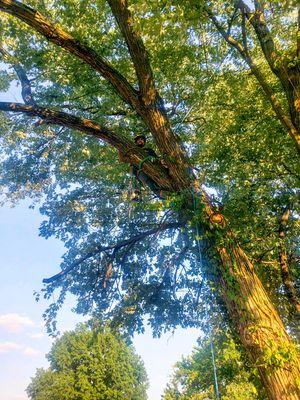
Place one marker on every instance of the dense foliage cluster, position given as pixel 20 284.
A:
pixel 236 146
pixel 90 364
pixel 193 377
pixel 215 87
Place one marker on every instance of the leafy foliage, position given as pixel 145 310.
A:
pixel 215 85
pixel 193 377
pixel 90 364
pixel 216 107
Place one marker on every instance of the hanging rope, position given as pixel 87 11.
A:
pixel 216 386
pixel 183 118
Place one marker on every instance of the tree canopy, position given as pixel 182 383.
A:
pixel 215 87
pixel 193 376
pixel 90 364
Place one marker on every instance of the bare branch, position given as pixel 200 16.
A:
pixel 65 40
pixel 116 247
pixel 25 82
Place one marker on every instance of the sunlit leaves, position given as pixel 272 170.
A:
pixel 193 376
pixel 90 364
pixel 236 145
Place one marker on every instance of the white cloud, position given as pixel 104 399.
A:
pixel 6 347
pixel 21 397
pixel 30 352
pixel 36 335
pixel 14 322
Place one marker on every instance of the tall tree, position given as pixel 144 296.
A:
pixel 193 376
pixel 90 364
pixel 109 262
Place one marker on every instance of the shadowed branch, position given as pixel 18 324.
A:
pixel 134 154
pixel 19 70
pixel 116 247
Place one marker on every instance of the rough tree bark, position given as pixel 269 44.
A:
pixel 258 324
pixel 253 315
pixel 286 276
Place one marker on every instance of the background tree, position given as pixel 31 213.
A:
pixel 193 376
pixel 104 79
pixel 90 364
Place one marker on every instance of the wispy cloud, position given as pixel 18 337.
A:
pixel 14 323
pixel 30 352
pixel 6 347
pixel 38 335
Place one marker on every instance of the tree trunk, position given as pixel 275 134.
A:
pixel 286 276
pixel 258 324
pixel 254 317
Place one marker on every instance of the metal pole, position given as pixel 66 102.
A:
pixel 215 372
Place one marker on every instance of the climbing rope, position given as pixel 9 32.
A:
pixel 216 386
pixel 215 371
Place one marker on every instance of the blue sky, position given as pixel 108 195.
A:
pixel 25 259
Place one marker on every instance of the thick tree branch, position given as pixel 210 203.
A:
pixel 152 114
pixel 116 247
pixel 134 155
pixel 25 82
pixel 136 48
pixel 258 21
pixel 65 40
pixel 152 108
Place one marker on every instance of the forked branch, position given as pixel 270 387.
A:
pixel 65 40
pixel 258 21
pixel 283 117
pixel 134 155
pixel 153 114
